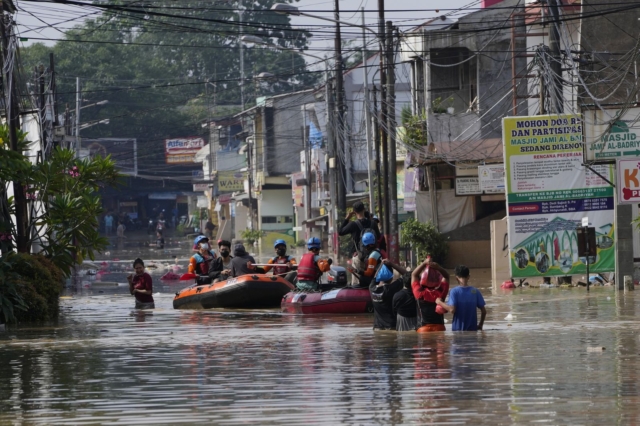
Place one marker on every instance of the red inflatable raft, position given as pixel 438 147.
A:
pixel 344 300
pixel 247 291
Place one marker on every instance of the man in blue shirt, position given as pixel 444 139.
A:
pixel 463 302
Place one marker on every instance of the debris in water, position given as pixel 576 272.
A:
pixel 510 317
pixel 595 348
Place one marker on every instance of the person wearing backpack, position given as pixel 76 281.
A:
pixel 357 229
pixel 383 290
pixel 283 264
pixel 373 260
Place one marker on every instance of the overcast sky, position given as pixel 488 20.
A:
pixel 37 19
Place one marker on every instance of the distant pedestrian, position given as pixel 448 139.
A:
pixel 463 302
pixel 159 244
pixel 120 230
pixel 108 224
pixel 141 286
pixel 208 229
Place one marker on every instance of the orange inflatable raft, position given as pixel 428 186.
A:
pixel 247 291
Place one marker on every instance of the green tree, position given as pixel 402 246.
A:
pixel 162 67
pixel 68 187
pixel 425 239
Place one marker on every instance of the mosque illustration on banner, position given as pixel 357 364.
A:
pixel 555 246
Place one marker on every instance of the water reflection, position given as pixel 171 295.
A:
pixel 107 363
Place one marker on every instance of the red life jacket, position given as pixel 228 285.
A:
pixel 277 270
pixel 307 268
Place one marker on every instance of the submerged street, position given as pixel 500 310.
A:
pixel 562 356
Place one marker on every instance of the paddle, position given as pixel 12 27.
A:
pixel 188 277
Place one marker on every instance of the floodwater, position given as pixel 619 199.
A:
pixel 566 357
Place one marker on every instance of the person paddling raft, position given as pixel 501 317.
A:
pixel 311 266
pixel 430 281
pixel 284 265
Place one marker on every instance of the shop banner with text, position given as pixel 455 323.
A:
pixel 549 191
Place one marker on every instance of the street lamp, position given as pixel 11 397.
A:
pixel 95 104
pixel 90 124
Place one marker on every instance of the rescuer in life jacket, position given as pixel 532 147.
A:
pixel 311 267
pixel 284 265
pixel 199 262
pixel 373 260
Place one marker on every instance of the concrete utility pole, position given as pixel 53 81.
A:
pixel 392 232
pixel 365 107
pixel 339 118
pixel 556 65
pixel 78 102
pixel 384 209
pixel 240 17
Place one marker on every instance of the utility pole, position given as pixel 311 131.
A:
pixel 331 151
pixel 384 209
pixel 376 132
pixel 240 17
pixel 365 107
pixel 78 101
pixel 13 121
pixel 556 65
pixel 307 167
pixel 392 189
pixel 339 118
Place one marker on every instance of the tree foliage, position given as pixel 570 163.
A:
pixel 425 239
pixel 152 63
pixel 415 129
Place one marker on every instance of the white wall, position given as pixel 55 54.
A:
pixel 275 202
pixel 354 90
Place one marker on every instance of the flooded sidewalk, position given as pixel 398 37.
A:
pixel 563 357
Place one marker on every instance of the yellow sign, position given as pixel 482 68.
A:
pixel 231 181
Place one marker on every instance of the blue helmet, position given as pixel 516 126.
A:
pixel 314 242
pixel 276 243
pixel 368 239
pixel 199 239
pixel 384 274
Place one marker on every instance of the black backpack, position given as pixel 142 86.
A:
pixel 359 246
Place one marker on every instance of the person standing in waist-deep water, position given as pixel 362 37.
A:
pixel 464 300
pixel 357 229
pixel 405 308
pixel 383 289
pixel 429 285
pixel 141 286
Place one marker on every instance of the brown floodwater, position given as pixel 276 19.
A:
pixel 566 357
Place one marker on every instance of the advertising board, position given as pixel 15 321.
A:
pixel 549 191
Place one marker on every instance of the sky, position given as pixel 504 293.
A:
pixel 37 19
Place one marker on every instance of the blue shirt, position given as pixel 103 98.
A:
pixel 466 300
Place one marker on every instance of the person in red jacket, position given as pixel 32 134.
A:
pixel 141 286
pixel 428 285
pixel 311 267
